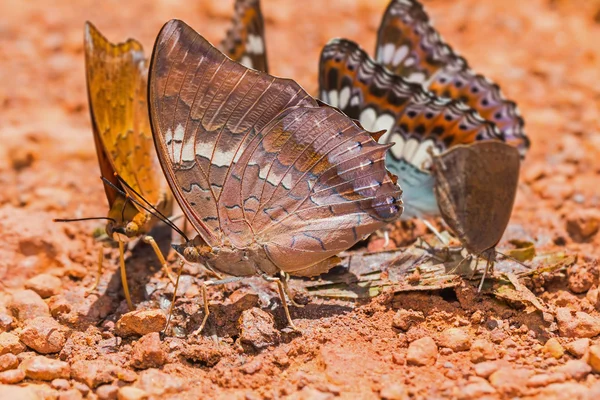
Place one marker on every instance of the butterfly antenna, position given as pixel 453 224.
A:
pixel 152 211
pixel 124 183
pixel 82 219
pixel 514 259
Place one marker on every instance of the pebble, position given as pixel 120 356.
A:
pixel 6 322
pixel 45 369
pixel 580 278
pixel 583 224
pixel 510 381
pixel 148 352
pixel 107 392
pixel 394 391
pixel 8 361
pixel 574 369
pixel 578 348
pixel 257 329
pixel 44 392
pixel 17 393
pixel 476 390
pixel 44 335
pixel 158 383
pixel 542 380
pixel 12 376
pixel 9 343
pixel 422 351
pixel 131 393
pixel 140 323
pixel 93 372
pixel 593 297
pixel 564 391
pixel 456 339
pixel 45 285
pixel 594 358
pixel 398 358
pixel 579 325
pixel 486 368
pixel 554 348
pixel 82 387
pixel 72 394
pixel 404 319
pixel 27 304
pixel 482 350
pixel 61 384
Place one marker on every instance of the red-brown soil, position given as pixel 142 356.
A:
pixel 545 54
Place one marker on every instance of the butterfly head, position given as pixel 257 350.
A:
pixel 194 251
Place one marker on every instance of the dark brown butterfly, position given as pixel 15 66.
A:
pixel 476 185
pixel 271 180
pixel 245 41
pixel 407 45
pixel 416 121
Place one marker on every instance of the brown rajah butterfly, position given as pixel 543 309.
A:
pixel 476 185
pixel 272 181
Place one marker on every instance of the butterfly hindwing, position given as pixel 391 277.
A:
pixel 245 41
pixel 117 90
pixel 254 159
pixel 409 46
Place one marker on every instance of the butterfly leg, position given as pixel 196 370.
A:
pixel 434 231
pixel 286 288
pixel 281 290
pixel 99 274
pixel 475 269
pixel 124 274
pixel 161 259
pixel 487 267
pixel 181 262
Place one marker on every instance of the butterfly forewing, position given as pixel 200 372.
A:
pixel 254 159
pixel 475 188
pixel 415 120
pixel 409 46
pixel 117 91
pixel 245 41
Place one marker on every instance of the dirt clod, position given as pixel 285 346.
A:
pixel 456 339
pixel 578 324
pixel 148 352
pixel 422 351
pixel 12 376
pixel 131 393
pixel 554 348
pixel 510 381
pixel 394 391
pixel 141 323
pixel 107 392
pixel 6 322
pixel 578 348
pixel 482 350
pixel 27 304
pixel 10 343
pixel 574 369
pixel 583 224
pixel 257 329
pixel 45 285
pixel 45 369
pixel 93 372
pixel 8 361
pixel 594 358
pixel 44 335
pixel 404 319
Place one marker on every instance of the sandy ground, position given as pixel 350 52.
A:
pixel 56 342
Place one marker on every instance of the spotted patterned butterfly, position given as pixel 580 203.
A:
pixel 407 45
pixel 245 41
pixel 272 180
pixel 418 122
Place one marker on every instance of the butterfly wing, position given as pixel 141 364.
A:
pixel 117 90
pixel 409 46
pixel 476 187
pixel 414 119
pixel 245 41
pixel 254 159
